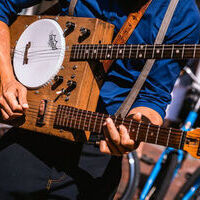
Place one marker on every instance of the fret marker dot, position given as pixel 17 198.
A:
pixel 86 51
pixel 140 55
pixel 95 51
pixel 133 130
pixel 158 51
pixel 110 47
pixel 141 46
pixel 120 51
pixel 108 56
pixel 152 133
pixel 177 51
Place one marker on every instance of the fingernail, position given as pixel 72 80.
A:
pixel 25 105
pixel 108 120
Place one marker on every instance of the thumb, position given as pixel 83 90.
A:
pixel 137 117
pixel 22 93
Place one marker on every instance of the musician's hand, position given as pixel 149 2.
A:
pixel 117 141
pixel 13 100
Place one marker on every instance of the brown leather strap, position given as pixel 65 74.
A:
pixel 126 30
pixel 72 6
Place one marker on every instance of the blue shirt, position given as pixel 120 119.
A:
pixel 155 94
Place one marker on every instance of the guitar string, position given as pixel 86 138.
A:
pixel 80 120
pixel 93 114
pixel 91 48
pixel 161 138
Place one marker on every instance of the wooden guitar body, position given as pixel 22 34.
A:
pixel 86 75
pixel 57 59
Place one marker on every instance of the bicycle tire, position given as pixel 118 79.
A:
pixel 188 184
pixel 165 177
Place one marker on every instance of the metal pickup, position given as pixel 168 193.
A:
pixel 41 113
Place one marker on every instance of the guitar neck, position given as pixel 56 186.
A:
pixel 70 117
pixel 112 52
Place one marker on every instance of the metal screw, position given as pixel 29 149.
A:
pixel 26 25
pixel 75 67
pixel 67 99
pixel 39 17
pixel 62 67
pixel 37 92
pixel 73 76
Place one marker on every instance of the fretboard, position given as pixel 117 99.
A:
pixel 112 52
pixel 70 117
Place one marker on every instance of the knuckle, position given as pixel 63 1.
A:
pixel 115 140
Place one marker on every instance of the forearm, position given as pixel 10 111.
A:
pixel 6 71
pixel 151 114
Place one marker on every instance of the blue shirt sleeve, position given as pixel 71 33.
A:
pixel 10 8
pixel 184 29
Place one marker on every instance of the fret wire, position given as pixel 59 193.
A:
pixel 115 121
pixel 78 51
pixel 84 55
pixel 130 126
pixel 95 122
pixel 65 112
pixel 101 123
pixel 106 52
pixel 81 48
pixel 145 51
pixel 183 51
pixel 168 137
pixel 88 56
pixel 111 53
pixel 97 53
pixel 85 119
pixel 172 51
pixel 71 120
pixel 89 123
pixel 56 119
pixel 93 50
pixel 138 131
pixel 147 132
pixel 154 46
pixel 130 51
pixel 163 48
pixel 61 111
pixel 79 124
pixel 76 116
pixel 124 49
pixel 67 121
pixel 101 54
pixel 138 46
pixel 117 54
pixel 194 54
pixel 75 52
pixel 157 135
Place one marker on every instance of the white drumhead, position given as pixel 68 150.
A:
pixel 45 55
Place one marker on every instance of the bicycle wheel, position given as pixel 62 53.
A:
pixel 189 183
pixel 165 177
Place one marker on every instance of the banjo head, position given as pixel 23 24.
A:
pixel 39 53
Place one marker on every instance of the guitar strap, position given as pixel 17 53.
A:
pixel 126 30
pixel 72 6
pixel 126 105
